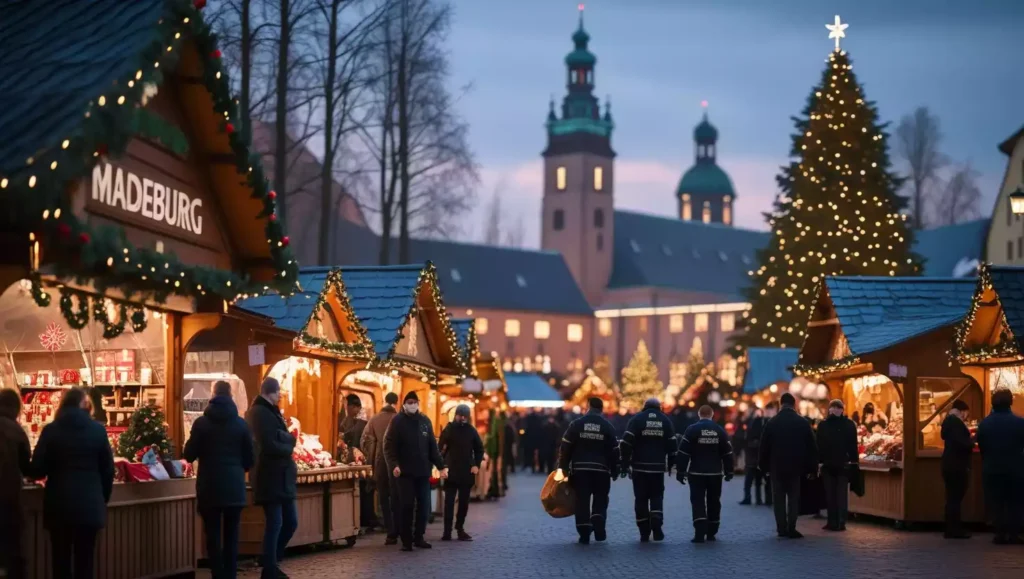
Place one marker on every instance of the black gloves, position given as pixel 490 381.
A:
pixel 681 477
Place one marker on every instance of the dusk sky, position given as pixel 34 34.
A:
pixel 755 61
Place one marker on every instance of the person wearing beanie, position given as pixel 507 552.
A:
pixel 590 454
pixel 463 451
pixel 956 466
pixel 705 459
pixel 837 454
pixel 647 451
pixel 372 445
pixel 410 451
pixel 1001 442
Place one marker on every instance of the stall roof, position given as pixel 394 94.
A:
pixel 766 366
pixel 291 313
pixel 1008 283
pixel 527 387
pixel 462 327
pixel 878 312
pixel 381 297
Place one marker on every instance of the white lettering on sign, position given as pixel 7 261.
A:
pixel 897 371
pixel 116 187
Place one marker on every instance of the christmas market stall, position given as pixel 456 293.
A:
pixel 529 391
pixel 769 372
pixel 135 214
pixel 877 344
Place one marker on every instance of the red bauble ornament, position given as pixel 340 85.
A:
pixel 101 150
pixel 272 195
pixel 63 230
pixel 216 54
pixel 273 217
pixel 229 128
pixel 199 4
pixel 84 238
pixel 285 241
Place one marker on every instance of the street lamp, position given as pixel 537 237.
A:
pixel 1017 200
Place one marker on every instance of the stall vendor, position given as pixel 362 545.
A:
pixel 870 419
pixel 350 429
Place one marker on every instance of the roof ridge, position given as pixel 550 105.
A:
pixel 903 278
pixel 691 223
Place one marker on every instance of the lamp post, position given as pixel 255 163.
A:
pixel 1017 200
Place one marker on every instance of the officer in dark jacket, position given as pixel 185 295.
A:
pixel 837 453
pixel 752 477
pixel 956 466
pixel 647 451
pixel 1001 441
pixel 463 451
pixel 15 460
pixel 705 458
pixel 590 453
pixel 222 444
pixel 410 450
pixel 74 456
pixel 273 475
pixel 788 455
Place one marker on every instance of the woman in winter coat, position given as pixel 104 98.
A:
pixel 74 456
pixel 463 451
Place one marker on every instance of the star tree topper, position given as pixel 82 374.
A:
pixel 837 30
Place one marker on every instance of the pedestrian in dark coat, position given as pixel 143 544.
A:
pixel 956 466
pixel 552 435
pixel 463 451
pixel 837 453
pixel 789 455
pixel 273 475
pixel 73 454
pixel 411 452
pixel 221 443
pixel 705 460
pixel 647 451
pixel 752 476
pixel 372 444
pixel 590 453
pixel 508 453
pixel 15 461
pixel 1001 441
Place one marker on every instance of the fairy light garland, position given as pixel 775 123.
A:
pixel 1005 347
pixel 811 370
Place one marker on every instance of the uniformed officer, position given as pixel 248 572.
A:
pixel 590 453
pixel 648 450
pixel 705 458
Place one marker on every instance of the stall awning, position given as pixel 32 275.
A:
pixel 766 366
pixel 528 390
pixel 291 313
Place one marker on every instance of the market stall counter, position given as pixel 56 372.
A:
pixel 878 344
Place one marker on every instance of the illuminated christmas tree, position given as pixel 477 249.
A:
pixel 837 212
pixel 147 428
pixel 640 379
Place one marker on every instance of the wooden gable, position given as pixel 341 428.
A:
pixel 415 345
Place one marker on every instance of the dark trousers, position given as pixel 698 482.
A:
pixel 387 494
pixel 12 557
pixel 767 488
pixel 73 550
pixel 221 529
pixel 592 490
pixel 786 501
pixel 281 521
pixel 367 511
pixel 414 498
pixel 956 489
pixel 547 461
pixel 1003 502
pixel 752 478
pixel 706 504
pixel 462 492
pixel 837 496
pixel 648 500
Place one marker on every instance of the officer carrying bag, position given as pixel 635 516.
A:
pixel 558 498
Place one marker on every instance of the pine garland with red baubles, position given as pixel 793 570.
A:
pixel 147 427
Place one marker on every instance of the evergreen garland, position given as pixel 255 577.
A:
pixel 146 427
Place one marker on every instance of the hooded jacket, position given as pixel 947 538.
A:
pixel 649 444
pixel 222 444
pixel 589 445
pixel 372 442
pixel 462 449
pixel 74 456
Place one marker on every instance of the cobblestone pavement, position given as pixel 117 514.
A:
pixel 516 539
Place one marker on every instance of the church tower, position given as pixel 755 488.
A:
pixel 705 192
pixel 577 209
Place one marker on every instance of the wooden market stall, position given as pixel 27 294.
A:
pixel 879 345
pixel 116 244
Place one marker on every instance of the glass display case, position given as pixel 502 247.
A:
pixel 935 397
pixel 875 404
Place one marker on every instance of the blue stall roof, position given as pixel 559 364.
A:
pixel 529 389
pixel 766 366
pixel 292 313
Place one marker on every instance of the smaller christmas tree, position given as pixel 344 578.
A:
pixel 695 365
pixel 640 379
pixel 146 428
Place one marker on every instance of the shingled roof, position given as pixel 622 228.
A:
pixel 527 388
pixel 954 250
pixel 878 312
pixel 766 366
pixel 1008 283
pixel 381 298
pixel 294 312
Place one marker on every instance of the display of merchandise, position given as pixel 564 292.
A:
pixel 309 453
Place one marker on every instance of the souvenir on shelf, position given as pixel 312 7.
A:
pixel 309 453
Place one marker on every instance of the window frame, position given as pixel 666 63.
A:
pixel 541 330
pixel 574 336
pixel 513 328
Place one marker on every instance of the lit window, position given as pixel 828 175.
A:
pixel 675 323
pixel 700 323
pixel 456 276
pixel 520 280
pixel 598 178
pixel 687 208
pixel 575 332
pixel 706 215
pixel 541 329
pixel 512 328
pixel 481 326
pixel 643 323
pixel 604 327
pixel 634 245
pixel 727 210
pixel 560 178
pixel 728 322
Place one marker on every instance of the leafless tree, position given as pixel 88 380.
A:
pixel 959 199
pixel 245 30
pixel 516 235
pixel 918 138
pixel 492 227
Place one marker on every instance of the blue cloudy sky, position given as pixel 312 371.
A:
pixel 755 61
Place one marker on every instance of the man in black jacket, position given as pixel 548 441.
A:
pixel 788 455
pixel 222 444
pixel 1001 441
pixel 837 453
pixel 956 466
pixel 705 459
pixel 273 476
pixel 590 453
pixel 463 451
pixel 647 452
pixel 752 478
pixel 410 450
pixel 15 461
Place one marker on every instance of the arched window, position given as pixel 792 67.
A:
pixel 727 210
pixel 711 150
pixel 706 214
pixel 572 75
pixel 687 209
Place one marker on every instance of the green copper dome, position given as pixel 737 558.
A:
pixel 706 179
pixel 580 56
pixel 705 132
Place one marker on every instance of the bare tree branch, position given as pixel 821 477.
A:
pixel 918 137
pixel 960 198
